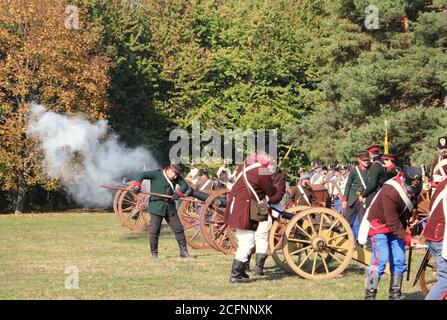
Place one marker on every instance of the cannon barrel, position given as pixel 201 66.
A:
pixel 284 214
pixel 203 196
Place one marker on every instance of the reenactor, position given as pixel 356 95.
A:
pixel 263 231
pixel 439 168
pixel 319 176
pixel 376 176
pixel 354 188
pixel 193 175
pixel 435 234
pixel 165 182
pixel 390 167
pixel 302 194
pixel 385 221
pixel 205 183
pixel 237 211
pixel 343 178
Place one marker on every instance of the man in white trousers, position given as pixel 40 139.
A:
pixel 253 183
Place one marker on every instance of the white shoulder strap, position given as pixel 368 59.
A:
pixel 169 181
pixel 402 193
pixel 205 185
pixel 438 199
pixel 304 194
pixel 244 171
pixel 440 167
pixel 252 166
pixel 365 225
pixel 360 176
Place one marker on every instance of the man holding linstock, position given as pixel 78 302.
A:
pixel 165 182
pixel 385 222
pixel 252 184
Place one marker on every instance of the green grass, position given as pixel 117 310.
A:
pixel 114 263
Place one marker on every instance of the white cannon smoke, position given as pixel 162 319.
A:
pixel 82 156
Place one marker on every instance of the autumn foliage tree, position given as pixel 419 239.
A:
pixel 48 57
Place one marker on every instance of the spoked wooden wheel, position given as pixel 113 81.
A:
pixel 276 239
pixel 132 211
pixel 210 208
pixel 222 235
pixel 115 203
pixel 319 243
pixel 189 214
pixel 429 276
pixel 276 243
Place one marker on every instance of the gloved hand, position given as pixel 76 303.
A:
pixel 175 196
pixel 136 189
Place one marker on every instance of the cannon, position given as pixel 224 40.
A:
pixel 201 215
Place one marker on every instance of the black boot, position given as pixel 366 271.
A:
pixel 245 268
pixel 154 248
pixel 183 249
pixel 260 261
pixel 371 287
pixel 237 272
pixel 395 287
pixel 248 262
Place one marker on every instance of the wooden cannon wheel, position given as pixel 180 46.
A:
pixel 215 232
pixel 115 203
pixel 276 239
pixel 131 210
pixel 222 235
pixel 314 235
pixel 189 214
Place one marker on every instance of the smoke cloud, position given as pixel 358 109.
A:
pixel 82 155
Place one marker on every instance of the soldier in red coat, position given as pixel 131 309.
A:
pixel 435 233
pixel 385 221
pixel 237 212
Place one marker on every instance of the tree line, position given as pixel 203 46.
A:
pixel 310 68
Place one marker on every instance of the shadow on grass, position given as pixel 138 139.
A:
pixel 275 273
pixel 413 296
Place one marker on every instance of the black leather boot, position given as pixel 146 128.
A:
pixel 154 248
pixel 371 287
pixel 395 292
pixel 260 262
pixel 183 249
pixel 237 271
pixel 248 262
pixel 245 268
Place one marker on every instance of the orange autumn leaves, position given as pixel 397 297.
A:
pixel 42 61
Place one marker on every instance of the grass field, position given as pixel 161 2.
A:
pixel 114 263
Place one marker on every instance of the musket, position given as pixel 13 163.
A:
pixel 410 250
pixel 422 267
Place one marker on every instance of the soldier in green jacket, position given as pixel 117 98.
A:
pixel 376 175
pixel 165 182
pixel 355 185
